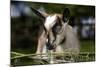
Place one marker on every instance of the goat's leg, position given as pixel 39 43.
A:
pixel 41 43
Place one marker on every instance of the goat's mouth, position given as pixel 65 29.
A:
pixel 50 46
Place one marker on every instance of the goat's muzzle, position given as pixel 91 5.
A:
pixel 50 46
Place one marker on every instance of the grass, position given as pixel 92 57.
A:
pixel 24 51
pixel 86 46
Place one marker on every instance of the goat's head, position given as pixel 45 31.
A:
pixel 53 25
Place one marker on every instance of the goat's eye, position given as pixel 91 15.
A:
pixel 56 29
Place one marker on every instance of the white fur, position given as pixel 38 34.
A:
pixel 50 21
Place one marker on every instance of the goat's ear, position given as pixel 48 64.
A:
pixel 66 15
pixel 42 15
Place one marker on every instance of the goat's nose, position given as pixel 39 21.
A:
pixel 49 46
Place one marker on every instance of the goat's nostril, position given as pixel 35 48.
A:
pixel 50 46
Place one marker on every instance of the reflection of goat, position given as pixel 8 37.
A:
pixel 57 35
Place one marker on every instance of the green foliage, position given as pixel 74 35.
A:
pixel 76 10
pixel 88 46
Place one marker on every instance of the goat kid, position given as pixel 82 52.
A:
pixel 57 35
